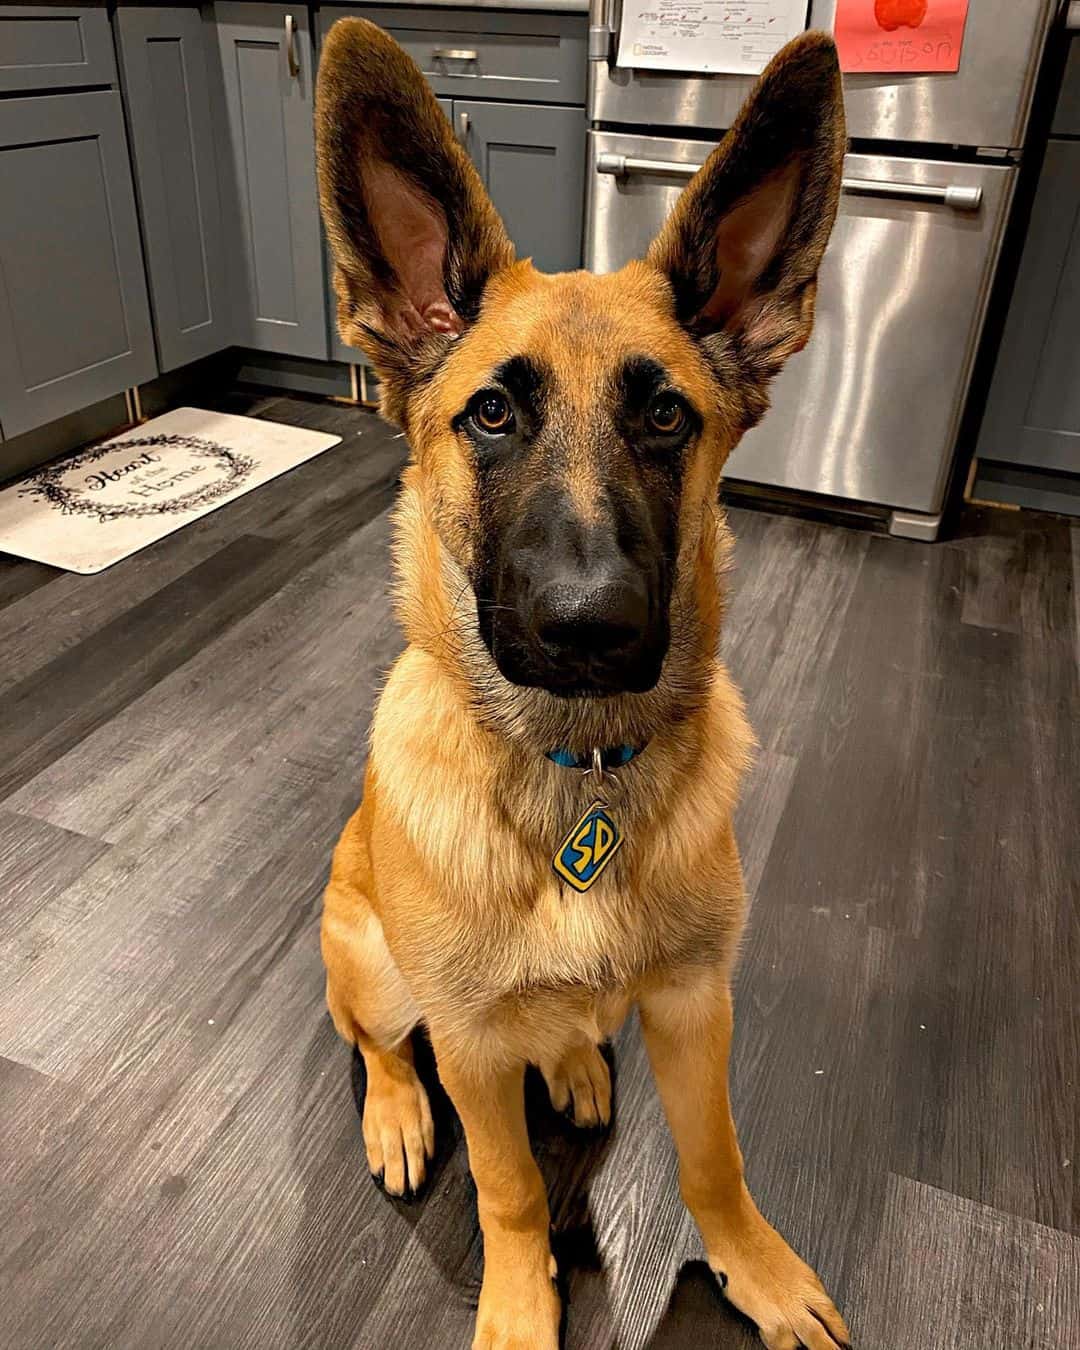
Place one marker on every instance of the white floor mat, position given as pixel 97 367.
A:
pixel 105 502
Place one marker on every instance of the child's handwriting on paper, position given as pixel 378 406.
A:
pixel 912 36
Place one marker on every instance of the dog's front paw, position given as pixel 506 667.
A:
pixel 764 1279
pixel 519 1310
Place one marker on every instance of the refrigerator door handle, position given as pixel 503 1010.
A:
pixel 952 194
pixel 600 30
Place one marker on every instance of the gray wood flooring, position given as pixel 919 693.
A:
pixel 181 738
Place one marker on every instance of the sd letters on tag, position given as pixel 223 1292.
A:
pixel 588 848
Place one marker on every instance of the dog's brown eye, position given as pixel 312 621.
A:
pixel 666 415
pixel 493 413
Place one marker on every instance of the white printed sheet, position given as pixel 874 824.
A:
pixel 715 37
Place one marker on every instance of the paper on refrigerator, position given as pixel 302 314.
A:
pixel 717 37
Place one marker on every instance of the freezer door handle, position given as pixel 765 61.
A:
pixel 952 194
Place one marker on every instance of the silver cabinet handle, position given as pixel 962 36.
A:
pixel 960 198
pixel 290 45
pixel 453 54
pixel 462 127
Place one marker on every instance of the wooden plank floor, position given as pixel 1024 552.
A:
pixel 181 739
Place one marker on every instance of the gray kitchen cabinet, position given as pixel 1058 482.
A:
pixel 74 317
pixel 532 161
pixel 1067 112
pixel 273 208
pixel 1033 412
pixel 54 46
pixel 166 89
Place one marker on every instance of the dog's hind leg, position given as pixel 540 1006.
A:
pixel 579 1083
pixel 373 1009
pixel 578 1078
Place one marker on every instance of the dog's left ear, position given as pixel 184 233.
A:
pixel 743 245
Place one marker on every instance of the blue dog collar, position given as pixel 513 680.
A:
pixel 611 757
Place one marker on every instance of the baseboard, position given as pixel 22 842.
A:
pixel 295 374
pixel 1033 489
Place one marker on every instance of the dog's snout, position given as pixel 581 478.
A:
pixel 578 607
pixel 591 619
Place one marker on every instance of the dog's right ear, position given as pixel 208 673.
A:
pixel 414 234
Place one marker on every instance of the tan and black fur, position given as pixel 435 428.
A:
pixel 443 908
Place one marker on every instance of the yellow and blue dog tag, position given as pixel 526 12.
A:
pixel 588 848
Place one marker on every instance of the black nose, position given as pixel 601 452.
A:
pixel 597 620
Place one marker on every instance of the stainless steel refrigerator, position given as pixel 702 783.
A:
pixel 869 412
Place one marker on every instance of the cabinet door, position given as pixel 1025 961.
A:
pixel 163 55
pixel 1033 412
pixel 532 161
pixel 269 94
pixel 339 350
pixel 74 318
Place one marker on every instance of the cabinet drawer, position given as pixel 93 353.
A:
pixel 49 47
pixel 538 58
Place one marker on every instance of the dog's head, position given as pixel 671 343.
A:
pixel 569 431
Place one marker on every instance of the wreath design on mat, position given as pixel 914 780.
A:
pixel 49 484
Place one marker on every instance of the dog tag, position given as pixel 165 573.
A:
pixel 588 848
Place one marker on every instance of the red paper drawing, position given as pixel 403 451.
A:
pixel 899 35
pixel 890 14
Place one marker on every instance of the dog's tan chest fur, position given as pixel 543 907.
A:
pixel 498 929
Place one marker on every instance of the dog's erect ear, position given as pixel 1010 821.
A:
pixel 743 245
pixel 414 234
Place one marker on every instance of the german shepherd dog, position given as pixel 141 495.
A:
pixel 559 557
